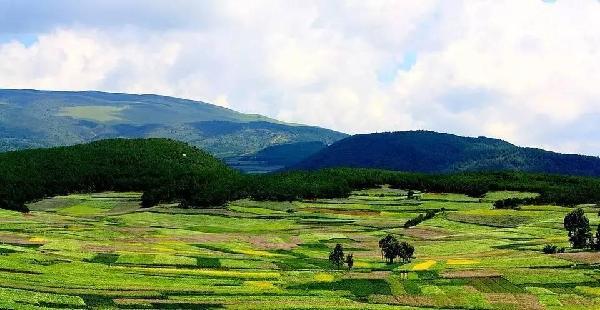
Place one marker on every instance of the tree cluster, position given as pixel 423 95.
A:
pixel 391 249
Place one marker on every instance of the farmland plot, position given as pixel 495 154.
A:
pixel 103 251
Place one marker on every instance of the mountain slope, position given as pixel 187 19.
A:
pixel 32 118
pixel 276 157
pixel 425 151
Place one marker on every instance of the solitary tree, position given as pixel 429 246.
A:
pixel 578 226
pixel 574 220
pixel 350 261
pixel 336 257
pixel 410 194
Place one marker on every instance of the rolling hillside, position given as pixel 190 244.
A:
pixel 431 152
pixel 32 118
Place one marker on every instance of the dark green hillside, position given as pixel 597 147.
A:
pixel 287 154
pixel 431 152
pixel 275 157
pixel 118 164
pixel 32 118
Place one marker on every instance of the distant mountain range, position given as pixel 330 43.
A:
pixel 255 143
pixel 33 118
pixel 426 151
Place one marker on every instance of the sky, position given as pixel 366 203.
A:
pixel 527 71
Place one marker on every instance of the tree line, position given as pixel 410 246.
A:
pixel 429 214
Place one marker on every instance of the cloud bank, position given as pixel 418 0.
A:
pixel 525 71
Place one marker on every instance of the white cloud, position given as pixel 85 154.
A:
pixel 520 70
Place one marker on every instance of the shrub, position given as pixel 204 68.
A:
pixel 550 249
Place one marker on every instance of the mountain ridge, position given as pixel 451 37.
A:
pixel 32 118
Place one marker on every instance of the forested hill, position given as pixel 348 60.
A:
pixel 33 119
pixel 117 164
pixel 432 152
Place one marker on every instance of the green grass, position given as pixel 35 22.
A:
pixel 102 251
pixel 95 113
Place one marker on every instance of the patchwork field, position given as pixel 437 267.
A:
pixel 103 251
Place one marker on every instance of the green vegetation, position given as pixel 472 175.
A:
pixel 103 251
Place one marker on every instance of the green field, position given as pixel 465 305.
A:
pixel 102 251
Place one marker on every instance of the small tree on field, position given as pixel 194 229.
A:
pixel 575 220
pixel 578 226
pixel 336 257
pixel 350 261
pixel 410 194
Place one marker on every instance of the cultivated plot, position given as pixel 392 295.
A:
pixel 103 251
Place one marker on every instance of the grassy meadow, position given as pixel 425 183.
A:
pixel 102 251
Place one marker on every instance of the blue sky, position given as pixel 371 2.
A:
pixel 525 71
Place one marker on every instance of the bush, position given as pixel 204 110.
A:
pixel 551 249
